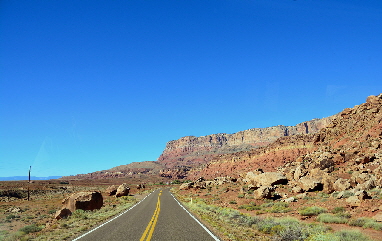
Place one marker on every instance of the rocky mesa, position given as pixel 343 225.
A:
pixel 191 151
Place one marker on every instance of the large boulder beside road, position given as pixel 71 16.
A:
pixel 82 200
pixel 112 190
pixel 122 190
pixel 266 179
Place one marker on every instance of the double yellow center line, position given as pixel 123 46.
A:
pixel 151 226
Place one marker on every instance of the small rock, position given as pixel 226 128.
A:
pixel 378 217
pixel 289 200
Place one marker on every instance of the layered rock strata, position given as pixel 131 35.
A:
pixel 193 151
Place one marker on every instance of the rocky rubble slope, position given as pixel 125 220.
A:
pixel 344 158
pixel 351 140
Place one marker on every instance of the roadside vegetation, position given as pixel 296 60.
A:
pixel 34 220
pixel 235 225
pixel 246 219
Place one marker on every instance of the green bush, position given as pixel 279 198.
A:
pixel 347 194
pixel 330 218
pixel 312 211
pixel 359 222
pixel 343 235
pixel 338 210
pixel 289 229
pixel 12 216
pixel 31 229
pixel 232 202
pixel 249 207
pixel 80 214
pixel 351 235
pixel 241 195
pixel 279 207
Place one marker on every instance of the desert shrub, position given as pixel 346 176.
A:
pixel 176 182
pixel 80 214
pixel 359 222
pixel 330 218
pixel 338 210
pixel 241 195
pixel 323 194
pixel 347 194
pixel 249 207
pixel 343 235
pixel 279 207
pixel 232 202
pixel 289 229
pixel 350 235
pixel 52 211
pixel 343 215
pixel 372 224
pixel 266 225
pixel 31 229
pixel 12 216
pixel 312 211
pixel 323 237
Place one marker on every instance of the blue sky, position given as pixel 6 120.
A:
pixel 89 85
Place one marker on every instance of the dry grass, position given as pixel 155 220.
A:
pixel 34 219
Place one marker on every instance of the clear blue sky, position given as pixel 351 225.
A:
pixel 89 85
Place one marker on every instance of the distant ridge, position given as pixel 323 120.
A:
pixel 21 178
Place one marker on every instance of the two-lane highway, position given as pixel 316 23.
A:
pixel 158 217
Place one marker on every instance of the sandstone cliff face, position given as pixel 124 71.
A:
pixel 352 141
pixel 193 151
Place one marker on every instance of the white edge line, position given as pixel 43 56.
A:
pixel 111 219
pixel 192 216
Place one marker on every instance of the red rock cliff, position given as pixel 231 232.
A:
pixel 193 151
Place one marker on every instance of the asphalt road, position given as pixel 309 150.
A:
pixel 158 217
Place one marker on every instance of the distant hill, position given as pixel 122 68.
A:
pixel 21 178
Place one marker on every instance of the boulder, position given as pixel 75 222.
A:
pixel 263 192
pixel 222 180
pixel 328 183
pixel 250 175
pixel 362 195
pixel 342 184
pixel 289 200
pixel 370 184
pixel 186 186
pixel 111 190
pixel 311 184
pixel 299 172
pixel 82 200
pixel 301 195
pixel 268 179
pixel 63 213
pixel 362 177
pixel 141 186
pixel 297 189
pixel 122 190
pixel 353 201
pixel 200 185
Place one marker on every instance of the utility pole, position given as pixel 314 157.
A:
pixel 29 180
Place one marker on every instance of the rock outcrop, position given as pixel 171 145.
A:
pixel 343 159
pixel 193 151
pixel 82 200
pixel 122 190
